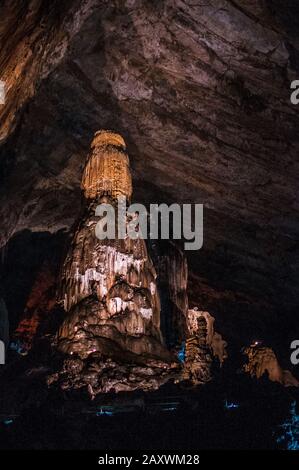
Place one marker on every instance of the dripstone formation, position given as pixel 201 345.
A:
pixel 109 291
pixel 262 361
pixel 111 336
pixel 202 345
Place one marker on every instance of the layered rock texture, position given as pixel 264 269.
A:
pixel 109 290
pixel 201 93
pixel 110 294
pixel 262 361
pixel 202 344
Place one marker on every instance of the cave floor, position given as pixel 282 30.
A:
pixel 231 412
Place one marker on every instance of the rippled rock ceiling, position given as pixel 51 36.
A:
pixel 200 91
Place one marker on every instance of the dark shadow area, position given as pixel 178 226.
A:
pixel 23 258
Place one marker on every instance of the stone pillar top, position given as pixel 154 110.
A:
pixel 107 170
pixel 106 137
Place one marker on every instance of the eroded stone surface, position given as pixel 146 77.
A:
pixel 262 361
pixel 109 291
pixel 202 345
pixel 201 93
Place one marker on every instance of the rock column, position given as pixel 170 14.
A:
pixel 109 292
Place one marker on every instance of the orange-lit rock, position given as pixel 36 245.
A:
pixel 107 170
pixel 39 306
pixel 202 345
pixel 109 290
pixel 263 361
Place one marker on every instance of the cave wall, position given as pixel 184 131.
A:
pixel 201 93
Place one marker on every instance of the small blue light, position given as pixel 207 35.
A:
pixel 290 435
pixel 182 352
pixel 103 412
pixel 230 406
pixel 18 347
pixel 7 422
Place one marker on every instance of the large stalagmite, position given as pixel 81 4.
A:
pixel 113 337
pixel 112 326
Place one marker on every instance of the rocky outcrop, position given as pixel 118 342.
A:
pixel 262 361
pixel 34 35
pixel 198 359
pixel 203 345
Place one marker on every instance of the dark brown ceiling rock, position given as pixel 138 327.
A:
pixel 34 36
pixel 201 93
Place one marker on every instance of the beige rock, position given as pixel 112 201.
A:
pixel 109 292
pixel 262 360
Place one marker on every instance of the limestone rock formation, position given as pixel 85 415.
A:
pixel 263 361
pixel 109 291
pixel 198 358
pixel 107 170
pixel 202 345
pixel 34 36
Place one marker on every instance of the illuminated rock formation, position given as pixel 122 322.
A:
pixel 38 309
pixel 202 345
pixel 112 334
pixel 213 339
pixel 107 170
pixel 263 361
pixel 109 291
